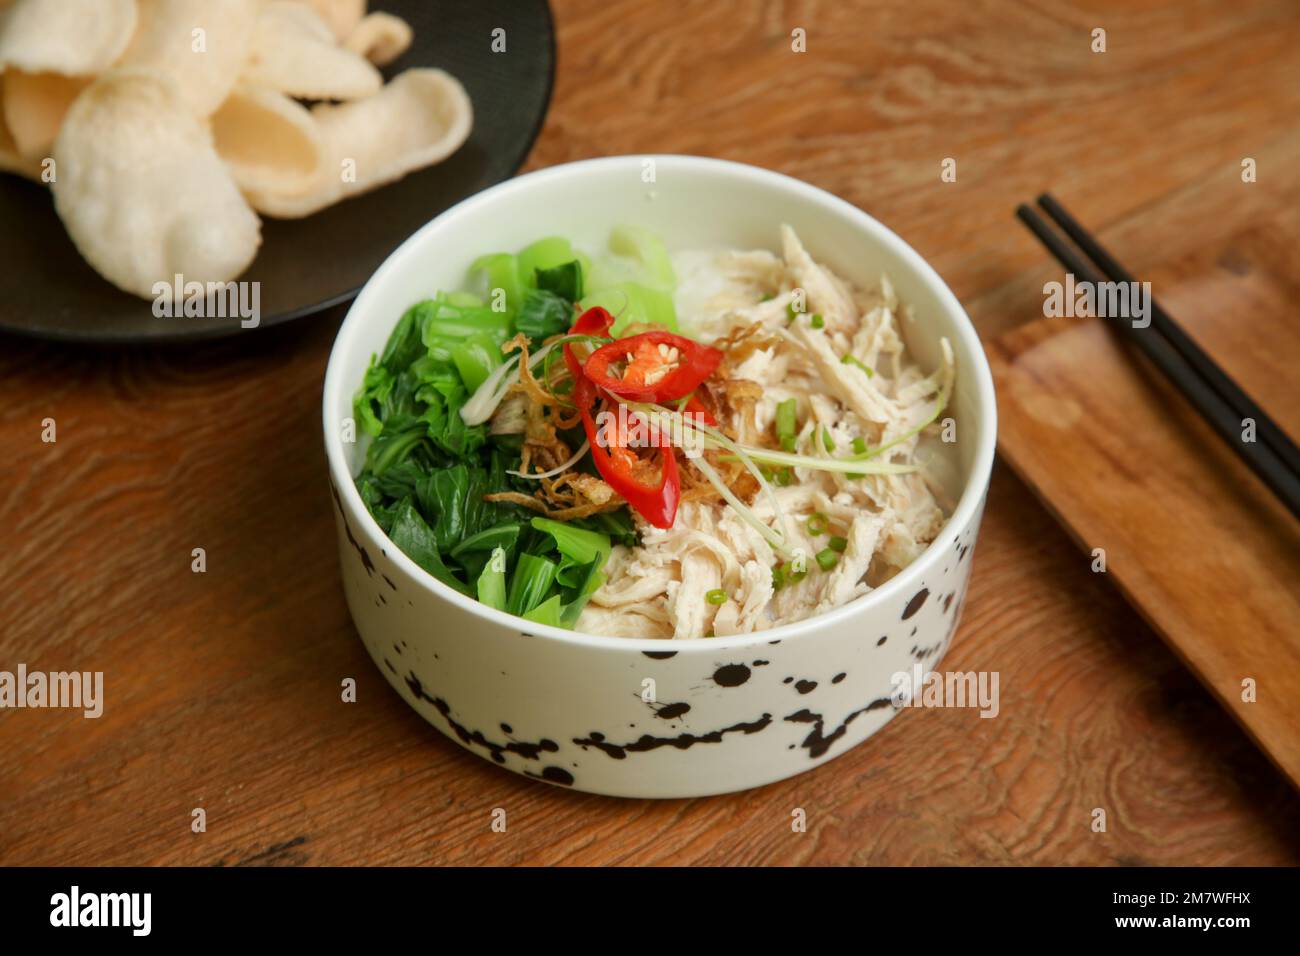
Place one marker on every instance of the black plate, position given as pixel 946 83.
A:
pixel 47 290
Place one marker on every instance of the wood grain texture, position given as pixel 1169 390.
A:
pixel 223 689
pixel 1207 554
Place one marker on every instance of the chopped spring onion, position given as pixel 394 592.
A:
pixel 827 441
pixel 817 523
pixel 826 559
pixel 786 423
pixel 817 321
pixel 787 574
pixel 859 450
pixel 838 543
pixel 716 596
pixel 850 360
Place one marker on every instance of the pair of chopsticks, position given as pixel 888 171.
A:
pixel 1220 401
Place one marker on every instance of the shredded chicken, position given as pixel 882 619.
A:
pixel 740 301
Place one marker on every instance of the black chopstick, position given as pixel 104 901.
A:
pixel 1221 415
pixel 1265 428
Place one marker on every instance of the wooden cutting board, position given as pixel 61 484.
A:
pixel 1190 536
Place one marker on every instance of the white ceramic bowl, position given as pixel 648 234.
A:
pixel 728 713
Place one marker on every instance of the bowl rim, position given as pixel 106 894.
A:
pixel 963 515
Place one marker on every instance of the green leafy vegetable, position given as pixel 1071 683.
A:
pixel 578 548
pixel 633 303
pixel 648 251
pixel 475 359
pixel 547 307
pixel 404 345
pixel 617 524
pixel 542 315
pixel 544 254
pixel 412 534
pixel 499 271
pixel 564 280
pixel 501 537
pixel 492 581
pixel 530 583
pixel 369 403
pixel 426 474
pixel 586 583
pixel 443 322
pixel 550 611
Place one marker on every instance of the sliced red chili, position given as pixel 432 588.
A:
pixel 655 366
pixel 595 321
pixel 655 501
pixel 694 406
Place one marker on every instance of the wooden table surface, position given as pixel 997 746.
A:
pixel 223 688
